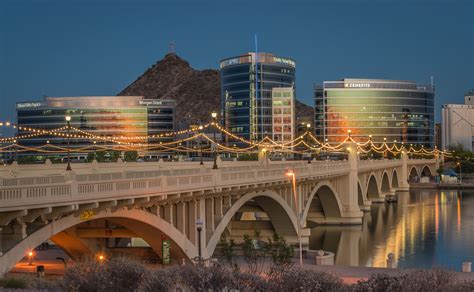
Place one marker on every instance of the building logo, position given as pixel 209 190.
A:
pixel 357 85
pixel 28 105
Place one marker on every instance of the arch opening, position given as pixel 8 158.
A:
pixel 372 188
pixel 385 183
pixel 266 211
pixel 426 171
pixel 64 232
pixel 413 175
pixel 395 179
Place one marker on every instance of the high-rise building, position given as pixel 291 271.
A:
pixel 438 136
pixel 121 117
pixel 458 123
pixel 283 105
pixel 247 82
pixel 398 111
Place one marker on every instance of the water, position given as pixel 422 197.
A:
pixel 425 228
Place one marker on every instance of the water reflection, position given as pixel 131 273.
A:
pixel 423 229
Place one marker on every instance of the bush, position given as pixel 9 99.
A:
pixel 297 279
pixel 14 283
pixel 118 274
pixel 421 280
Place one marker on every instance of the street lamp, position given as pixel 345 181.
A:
pixel 295 195
pixel 349 133
pixel 199 224
pixel 460 172
pixel 308 129
pixel 30 258
pixel 200 148
pixel 214 117
pixel 68 122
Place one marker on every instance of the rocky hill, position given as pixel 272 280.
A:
pixel 197 93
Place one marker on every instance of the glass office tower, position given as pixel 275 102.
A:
pixel 400 111
pixel 124 117
pixel 246 92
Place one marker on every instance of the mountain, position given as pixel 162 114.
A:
pixel 197 93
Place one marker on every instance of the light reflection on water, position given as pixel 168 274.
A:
pixel 423 229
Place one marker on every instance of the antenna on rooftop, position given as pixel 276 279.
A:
pixel 171 48
pixel 432 80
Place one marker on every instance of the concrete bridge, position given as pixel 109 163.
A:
pixel 163 200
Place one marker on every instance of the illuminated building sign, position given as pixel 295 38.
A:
pixel 28 105
pixel 284 61
pixel 357 85
pixel 148 102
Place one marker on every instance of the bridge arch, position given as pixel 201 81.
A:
pixel 426 171
pixel 330 202
pixel 280 213
pixel 372 187
pixel 151 227
pixel 413 173
pixel 385 187
pixel 395 183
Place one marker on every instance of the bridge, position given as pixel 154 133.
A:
pixel 96 205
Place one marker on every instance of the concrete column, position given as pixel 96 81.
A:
pixel 202 215
pixel 1 241
pixel 226 203
pixel 192 217
pixel 209 214
pixel 19 231
pixel 404 186
pixel 181 217
pixel 350 201
pixel 168 213
pixel 218 212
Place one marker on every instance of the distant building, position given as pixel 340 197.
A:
pixel 124 117
pixel 247 83
pixel 283 105
pixel 401 111
pixel 458 123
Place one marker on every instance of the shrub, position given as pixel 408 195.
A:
pixel 118 275
pixel 280 252
pixel 161 280
pixel 421 280
pixel 14 282
pixel 297 279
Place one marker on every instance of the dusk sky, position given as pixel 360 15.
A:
pixel 73 48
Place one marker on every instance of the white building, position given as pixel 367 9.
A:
pixel 458 123
pixel 283 107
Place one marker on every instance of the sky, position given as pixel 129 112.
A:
pixel 74 48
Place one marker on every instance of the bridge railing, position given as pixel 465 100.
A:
pixel 48 185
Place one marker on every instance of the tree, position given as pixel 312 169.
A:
pixel 227 247
pixel 254 253
pixel 130 155
pixel 280 252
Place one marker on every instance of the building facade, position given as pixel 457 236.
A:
pixel 458 123
pixel 389 110
pixel 129 118
pixel 283 108
pixel 247 82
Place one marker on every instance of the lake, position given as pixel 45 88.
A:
pixel 425 228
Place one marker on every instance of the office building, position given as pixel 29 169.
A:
pixel 458 123
pixel 247 84
pixel 283 105
pixel 438 136
pixel 128 118
pixel 398 111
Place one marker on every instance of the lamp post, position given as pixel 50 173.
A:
pixel 214 119
pixel 95 150
pixel 308 128
pixel 460 172
pixel 297 202
pixel 30 258
pixel 68 122
pixel 199 224
pixel 200 148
